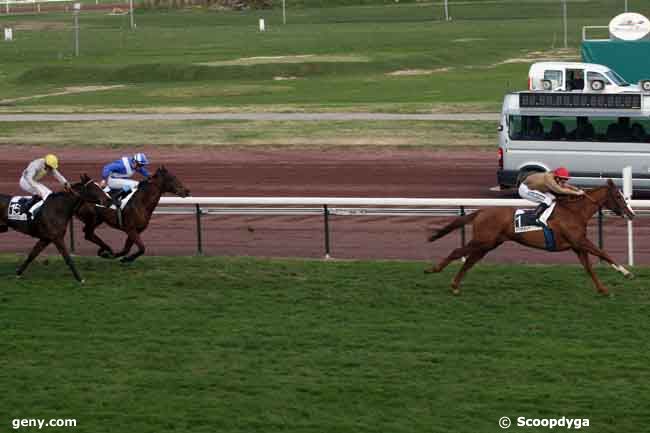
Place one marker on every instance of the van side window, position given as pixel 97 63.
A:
pixel 554 77
pixel 592 76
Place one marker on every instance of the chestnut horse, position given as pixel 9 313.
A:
pixel 51 222
pixel 135 215
pixel 495 225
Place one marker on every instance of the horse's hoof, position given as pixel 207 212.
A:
pixel 126 260
pixel 106 255
pixel 630 276
pixel 429 270
pixel 455 292
pixel 82 281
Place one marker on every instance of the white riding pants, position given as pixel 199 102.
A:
pixel 538 197
pixel 121 183
pixel 37 189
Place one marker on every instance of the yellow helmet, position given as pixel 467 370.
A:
pixel 52 161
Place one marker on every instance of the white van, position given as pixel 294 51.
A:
pixel 578 77
pixel 593 134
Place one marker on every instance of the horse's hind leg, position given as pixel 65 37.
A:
pixel 456 254
pixel 60 245
pixel 89 234
pixel 127 247
pixel 474 257
pixel 38 248
pixel 135 237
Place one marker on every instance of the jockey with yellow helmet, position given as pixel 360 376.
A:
pixel 36 170
pixel 541 188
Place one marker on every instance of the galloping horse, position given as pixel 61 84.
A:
pixel 493 226
pixel 51 222
pixel 135 215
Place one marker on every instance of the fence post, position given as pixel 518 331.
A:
pixel 600 228
pixel 326 221
pixel 71 235
pixel 462 230
pixel 199 238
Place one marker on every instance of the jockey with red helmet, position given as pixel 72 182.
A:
pixel 541 188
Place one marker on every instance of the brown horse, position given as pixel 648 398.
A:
pixel 135 215
pixel 494 226
pixel 51 222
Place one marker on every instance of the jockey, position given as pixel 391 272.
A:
pixel 34 172
pixel 116 174
pixel 542 187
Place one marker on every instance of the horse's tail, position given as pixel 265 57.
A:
pixel 455 224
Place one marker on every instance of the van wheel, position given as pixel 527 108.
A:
pixel 645 85
pixel 597 85
pixel 547 85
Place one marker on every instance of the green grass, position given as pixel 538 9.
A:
pixel 163 63
pixel 241 345
pixel 477 135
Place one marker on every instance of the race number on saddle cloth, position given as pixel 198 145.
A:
pixel 542 187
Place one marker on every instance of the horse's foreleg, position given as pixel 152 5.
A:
pixel 584 259
pixel 134 236
pixel 456 254
pixel 589 247
pixel 38 248
pixel 474 257
pixel 60 245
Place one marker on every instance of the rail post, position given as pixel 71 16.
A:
pixel 71 235
pixel 326 222
pixel 199 237
pixel 462 230
pixel 600 228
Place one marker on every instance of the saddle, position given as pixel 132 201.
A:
pixel 120 197
pixel 23 208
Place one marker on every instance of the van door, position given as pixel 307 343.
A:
pixel 575 79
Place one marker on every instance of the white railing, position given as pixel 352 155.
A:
pixel 349 206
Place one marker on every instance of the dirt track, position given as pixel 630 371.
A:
pixel 382 173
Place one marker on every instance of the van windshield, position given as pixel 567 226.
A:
pixel 617 79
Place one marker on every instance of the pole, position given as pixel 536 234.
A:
pixel 462 230
pixel 564 17
pixel 326 221
pixel 72 235
pixel 131 14
pixel 446 10
pixel 76 28
pixel 199 237
pixel 284 12
pixel 625 5
pixel 627 193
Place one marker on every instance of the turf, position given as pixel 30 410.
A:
pixel 189 58
pixel 242 344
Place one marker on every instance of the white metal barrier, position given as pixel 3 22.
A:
pixel 346 206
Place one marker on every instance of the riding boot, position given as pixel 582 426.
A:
pixel 27 205
pixel 116 198
pixel 538 213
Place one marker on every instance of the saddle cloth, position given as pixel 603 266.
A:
pixel 525 221
pixel 14 210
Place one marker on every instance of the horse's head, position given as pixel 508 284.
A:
pixel 616 202
pixel 169 183
pixel 90 191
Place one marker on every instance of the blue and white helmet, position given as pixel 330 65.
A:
pixel 141 159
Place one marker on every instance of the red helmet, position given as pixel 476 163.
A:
pixel 561 172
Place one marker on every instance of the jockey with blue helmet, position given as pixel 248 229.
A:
pixel 117 174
